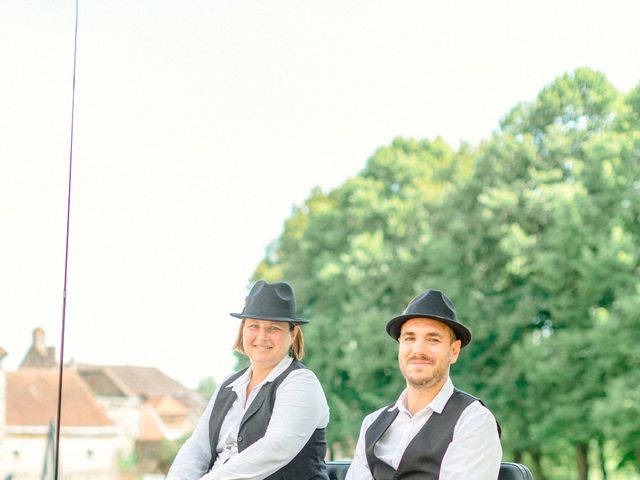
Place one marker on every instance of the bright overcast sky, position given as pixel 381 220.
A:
pixel 200 123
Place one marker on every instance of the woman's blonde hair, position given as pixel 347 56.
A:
pixel 297 345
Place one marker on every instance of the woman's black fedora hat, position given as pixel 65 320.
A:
pixel 431 304
pixel 271 301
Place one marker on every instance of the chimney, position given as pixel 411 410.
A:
pixel 38 341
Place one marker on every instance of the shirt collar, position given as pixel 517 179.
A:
pixel 437 404
pixel 243 379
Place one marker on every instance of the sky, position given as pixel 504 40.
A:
pixel 199 124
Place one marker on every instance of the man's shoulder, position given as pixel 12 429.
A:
pixel 476 417
pixel 479 409
pixel 375 414
pixel 462 393
pixel 370 418
pixel 471 400
pixel 474 411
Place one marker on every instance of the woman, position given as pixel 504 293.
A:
pixel 268 420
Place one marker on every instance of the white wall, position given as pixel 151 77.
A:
pixel 85 453
pixel 125 413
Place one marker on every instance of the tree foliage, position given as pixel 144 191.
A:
pixel 535 234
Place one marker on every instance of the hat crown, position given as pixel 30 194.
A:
pixel 432 302
pixel 270 300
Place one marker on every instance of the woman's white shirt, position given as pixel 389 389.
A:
pixel 300 408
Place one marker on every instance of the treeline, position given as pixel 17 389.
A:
pixel 535 235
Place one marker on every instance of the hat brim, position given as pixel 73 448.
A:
pixel 462 333
pixel 271 319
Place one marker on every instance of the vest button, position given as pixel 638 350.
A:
pixel 239 438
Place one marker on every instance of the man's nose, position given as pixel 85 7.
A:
pixel 420 345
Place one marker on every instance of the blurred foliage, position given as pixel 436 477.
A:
pixel 127 464
pixel 168 451
pixel 535 234
pixel 206 387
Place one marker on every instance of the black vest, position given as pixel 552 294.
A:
pixel 423 456
pixel 308 464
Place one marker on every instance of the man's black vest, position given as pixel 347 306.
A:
pixel 423 456
pixel 307 465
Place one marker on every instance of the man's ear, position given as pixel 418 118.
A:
pixel 455 351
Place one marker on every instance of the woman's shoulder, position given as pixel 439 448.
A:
pixel 303 380
pixel 303 388
pixel 301 371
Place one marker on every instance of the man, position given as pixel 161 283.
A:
pixel 432 431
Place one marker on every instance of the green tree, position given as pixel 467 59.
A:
pixel 351 255
pixel 535 234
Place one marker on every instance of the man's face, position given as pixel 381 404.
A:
pixel 426 351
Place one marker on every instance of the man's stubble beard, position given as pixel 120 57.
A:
pixel 439 373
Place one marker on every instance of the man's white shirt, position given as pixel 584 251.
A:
pixel 474 453
pixel 300 408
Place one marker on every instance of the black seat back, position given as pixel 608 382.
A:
pixel 508 471
pixel 514 471
pixel 338 470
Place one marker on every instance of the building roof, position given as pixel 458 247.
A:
pixel 143 382
pixel 101 382
pixel 147 381
pixel 39 355
pixel 32 399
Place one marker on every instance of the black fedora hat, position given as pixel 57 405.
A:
pixel 271 301
pixel 431 304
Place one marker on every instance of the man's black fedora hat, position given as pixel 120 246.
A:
pixel 271 301
pixel 431 304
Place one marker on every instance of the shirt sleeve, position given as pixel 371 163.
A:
pixel 194 456
pixel 359 468
pixel 475 451
pixel 300 408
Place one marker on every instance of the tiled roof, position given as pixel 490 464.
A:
pixel 146 381
pixel 143 382
pixel 101 383
pixel 35 358
pixel 32 399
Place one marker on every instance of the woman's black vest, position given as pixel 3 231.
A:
pixel 308 464
pixel 423 456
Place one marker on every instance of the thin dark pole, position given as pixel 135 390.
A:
pixel 66 251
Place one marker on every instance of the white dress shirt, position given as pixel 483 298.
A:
pixel 473 454
pixel 300 408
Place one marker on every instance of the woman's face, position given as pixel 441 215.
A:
pixel 266 342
